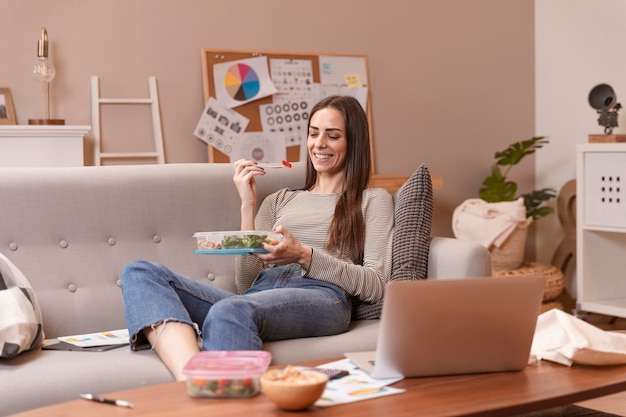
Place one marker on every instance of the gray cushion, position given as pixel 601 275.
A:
pixel 413 215
pixel 413 219
pixel 21 327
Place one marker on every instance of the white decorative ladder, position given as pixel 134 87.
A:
pixel 152 101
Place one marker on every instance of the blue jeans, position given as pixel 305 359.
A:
pixel 281 304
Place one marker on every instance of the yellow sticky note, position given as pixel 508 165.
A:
pixel 353 81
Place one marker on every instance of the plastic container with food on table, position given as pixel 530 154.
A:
pixel 226 374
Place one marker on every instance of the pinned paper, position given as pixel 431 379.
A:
pixel 287 117
pixel 242 81
pixel 334 69
pixel 261 147
pixel 220 127
pixel 292 78
pixel 353 81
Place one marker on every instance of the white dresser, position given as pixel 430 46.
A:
pixel 42 145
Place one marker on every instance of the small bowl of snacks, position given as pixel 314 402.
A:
pixel 226 374
pixel 293 389
pixel 235 242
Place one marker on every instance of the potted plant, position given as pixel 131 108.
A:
pixel 496 187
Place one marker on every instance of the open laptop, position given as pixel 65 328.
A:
pixel 458 326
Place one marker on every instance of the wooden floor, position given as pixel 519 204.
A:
pixel 616 403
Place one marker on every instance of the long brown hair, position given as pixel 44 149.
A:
pixel 347 229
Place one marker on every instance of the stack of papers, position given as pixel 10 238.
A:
pixel 357 386
pixel 108 338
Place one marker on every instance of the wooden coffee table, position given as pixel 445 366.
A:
pixel 538 387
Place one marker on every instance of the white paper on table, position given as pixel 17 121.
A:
pixel 565 339
pixel 111 337
pixel 358 386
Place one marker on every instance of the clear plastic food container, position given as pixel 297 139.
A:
pixel 242 241
pixel 226 374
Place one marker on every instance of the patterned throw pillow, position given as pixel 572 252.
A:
pixel 413 214
pixel 21 326
pixel 413 219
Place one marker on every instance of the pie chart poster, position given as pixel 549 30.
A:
pixel 243 81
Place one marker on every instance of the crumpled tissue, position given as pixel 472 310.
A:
pixel 565 339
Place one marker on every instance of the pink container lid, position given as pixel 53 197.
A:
pixel 228 364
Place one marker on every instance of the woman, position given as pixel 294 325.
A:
pixel 336 247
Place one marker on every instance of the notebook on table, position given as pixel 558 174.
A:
pixel 458 326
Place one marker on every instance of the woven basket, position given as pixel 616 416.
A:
pixel 510 254
pixel 549 305
pixel 554 277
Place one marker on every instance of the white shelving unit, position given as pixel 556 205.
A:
pixel 601 228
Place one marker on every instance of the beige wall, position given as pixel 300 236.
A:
pixel 452 80
pixel 579 45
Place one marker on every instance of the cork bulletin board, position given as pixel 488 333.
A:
pixel 251 110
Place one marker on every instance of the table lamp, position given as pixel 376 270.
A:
pixel 44 72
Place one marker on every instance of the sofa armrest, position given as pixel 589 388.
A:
pixel 451 258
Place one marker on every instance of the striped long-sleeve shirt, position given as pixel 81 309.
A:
pixel 308 216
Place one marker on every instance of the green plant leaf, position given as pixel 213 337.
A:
pixel 518 150
pixel 496 188
pixel 540 212
pixel 534 202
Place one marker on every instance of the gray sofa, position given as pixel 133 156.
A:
pixel 72 230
